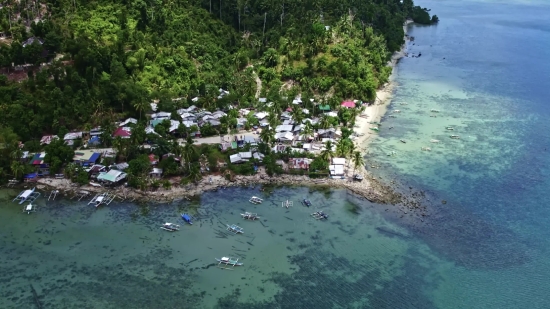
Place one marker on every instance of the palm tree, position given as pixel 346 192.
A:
pixel 307 131
pixel 324 123
pixel 188 152
pixel 327 153
pixel 17 169
pixel 358 160
pixel 141 106
pixel 267 136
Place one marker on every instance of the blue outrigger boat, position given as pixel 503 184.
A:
pixel 186 218
pixel 306 202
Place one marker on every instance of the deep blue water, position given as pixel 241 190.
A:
pixel 485 68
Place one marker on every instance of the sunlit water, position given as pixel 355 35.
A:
pixel 484 67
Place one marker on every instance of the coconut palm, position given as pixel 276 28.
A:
pixel 307 131
pixel 358 160
pixel 267 136
pixel 141 106
pixel 327 153
pixel 17 169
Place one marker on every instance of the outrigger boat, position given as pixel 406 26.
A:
pixel 434 111
pixel 434 141
pixel 228 262
pixel 286 204
pixel 235 229
pixel 455 136
pixel 186 218
pixel 375 129
pixel 449 128
pixel 100 199
pixel 29 208
pixel 426 149
pixel 319 215
pixel 250 216
pixel 27 195
pixel 403 141
pixel 255 200
pixel 306 202
pixel 170 227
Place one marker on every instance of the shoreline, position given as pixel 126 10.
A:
pixel 370 188
pixel 383 99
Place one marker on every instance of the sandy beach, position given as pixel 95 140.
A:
pixel 384 95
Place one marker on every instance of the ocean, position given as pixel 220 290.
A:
pixel 482 242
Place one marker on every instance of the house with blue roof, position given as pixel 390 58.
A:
pixel 86 157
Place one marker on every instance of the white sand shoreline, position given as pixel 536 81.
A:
pixel 384 95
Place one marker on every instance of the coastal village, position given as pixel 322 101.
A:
pixel 311 141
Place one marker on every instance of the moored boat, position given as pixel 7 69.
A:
pixel 455 136
pixel 228 262
pixel 235 229
pixel 306 202
pixel 25 195
pixel 186 218
pixel 403 141
pixel 255 200
pixel 250 216
pixel 319 215
pixel 171 227
pixel 449 128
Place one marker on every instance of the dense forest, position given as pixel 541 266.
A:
pixel 89 63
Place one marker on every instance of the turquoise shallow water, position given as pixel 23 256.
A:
pixel 484 67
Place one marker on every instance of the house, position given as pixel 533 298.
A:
pixel 327 133
pixel 224 146
pixel 47 139
pixel 96 131
pixel 161 115
pixel 31 40
pixel 153 159
pixel 156 173
pixel 324 108
pixel 85 157
pixel 262 100
pixel 336 171
pixel 248 139
pixel 284 137
pixel 284 128
pixel 94 141
pixel 299 163
pixel 70 137
pixel 120 166
pixel 37 161
pixel 33 177
pixel 128 121
pixel 123 132
pixel 112 177
pixel 348 104
pixel 339 161
pixel 95 170
pixel 236 158
pixel 261 115
pixel 258 156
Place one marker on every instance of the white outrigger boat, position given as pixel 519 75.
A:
pixel 100 199
pixel 27 196
pixel 255 200
pixel 170 227
pixel 449 128
pixel 250 216
pixel 319 215
pixel 233 228
pixel 434 111
pixel 228 262
pixel 287 204
pixel 455 136
pixel 426 149
pixel 434 141
pixel 29 208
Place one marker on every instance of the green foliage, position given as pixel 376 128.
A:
pixel 57 154
pixel 422 16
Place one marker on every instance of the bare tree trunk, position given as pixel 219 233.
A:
pixel 239 19
pixel 220 9
pixel 283 14
pixel 210 6
pixel 265 17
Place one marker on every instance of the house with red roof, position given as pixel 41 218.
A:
pixel 123 132
pixel 348 104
